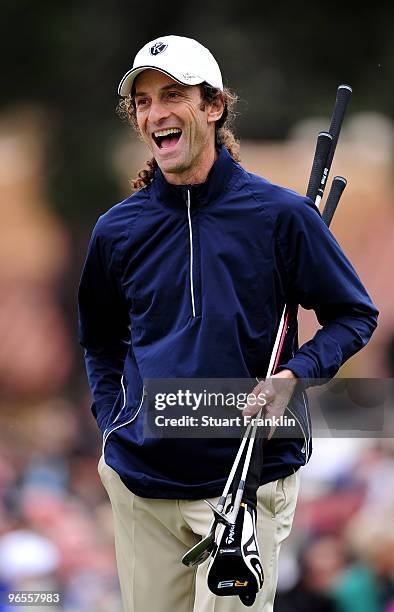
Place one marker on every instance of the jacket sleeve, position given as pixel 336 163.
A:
pixel 320 277
pixel 103 324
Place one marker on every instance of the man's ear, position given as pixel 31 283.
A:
pixel 215 108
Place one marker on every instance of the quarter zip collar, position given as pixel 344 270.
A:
pixel 224 172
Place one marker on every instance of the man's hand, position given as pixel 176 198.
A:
pixel 274 393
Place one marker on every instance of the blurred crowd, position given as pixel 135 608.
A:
pixel 55 519
pixel 340 557
pixel 56 524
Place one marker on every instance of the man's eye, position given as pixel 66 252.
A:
pixel 173 94
pixel 141 102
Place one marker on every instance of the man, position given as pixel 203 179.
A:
pixel 187 278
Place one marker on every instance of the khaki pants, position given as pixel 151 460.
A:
pixel 151 536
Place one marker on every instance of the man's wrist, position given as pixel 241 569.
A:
pixel 286 373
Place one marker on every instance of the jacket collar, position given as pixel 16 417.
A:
pixel 222 174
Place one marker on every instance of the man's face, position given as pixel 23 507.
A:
pixel 176 126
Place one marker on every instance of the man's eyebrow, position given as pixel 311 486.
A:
pixel 165 88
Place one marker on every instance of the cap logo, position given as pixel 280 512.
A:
pixel 188 76
pixel 157 48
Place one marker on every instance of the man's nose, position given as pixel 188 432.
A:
pixel 158 111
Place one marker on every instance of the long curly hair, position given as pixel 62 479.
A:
pixel 224 134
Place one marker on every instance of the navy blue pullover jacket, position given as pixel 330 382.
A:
pixel 190 282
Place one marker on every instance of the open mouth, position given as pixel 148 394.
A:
pixel 168 138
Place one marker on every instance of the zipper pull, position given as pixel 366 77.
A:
pixel 185 194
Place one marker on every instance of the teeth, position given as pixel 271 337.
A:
pixel 161 133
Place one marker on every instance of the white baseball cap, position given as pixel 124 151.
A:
pixel 183 59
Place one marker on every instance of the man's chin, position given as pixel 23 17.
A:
pixel 172 166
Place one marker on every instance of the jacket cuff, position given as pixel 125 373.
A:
pixel 301 369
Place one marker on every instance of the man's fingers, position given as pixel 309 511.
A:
pixel 267 392
pixel 261 395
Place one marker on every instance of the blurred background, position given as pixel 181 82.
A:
pixel 65 158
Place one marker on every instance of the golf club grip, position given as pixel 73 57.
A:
pixel 338 185
pixel 343 96
pixel 323 145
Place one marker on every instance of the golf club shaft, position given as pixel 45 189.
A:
pixel 338 185
pixel 324 153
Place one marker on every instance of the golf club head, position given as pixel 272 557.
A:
pixel 200 551
pixel 235 568
pixel 220 516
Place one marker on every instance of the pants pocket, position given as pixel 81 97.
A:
pixel 100 465
pixel 286 495
pixel 280 495
pixel 270 496
pixel 105 472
